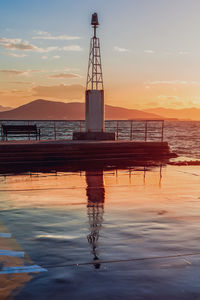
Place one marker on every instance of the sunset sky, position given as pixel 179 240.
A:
pixel 150 51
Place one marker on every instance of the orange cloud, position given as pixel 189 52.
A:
pixel 22 82
pixel 15 44
pixel 19 72
pixel 64 75
pixel 62 91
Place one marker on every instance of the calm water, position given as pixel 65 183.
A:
pixel 117 234
pixel 183 137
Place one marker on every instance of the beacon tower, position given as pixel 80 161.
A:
pixel 94 94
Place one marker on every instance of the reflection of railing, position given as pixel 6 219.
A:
pixel 142 130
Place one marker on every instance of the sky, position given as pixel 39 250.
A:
pixel 150 51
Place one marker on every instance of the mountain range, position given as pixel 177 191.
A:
pixel 51 110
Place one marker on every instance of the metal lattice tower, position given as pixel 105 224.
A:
pixel 94 76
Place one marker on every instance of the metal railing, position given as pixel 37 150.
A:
pixel 138 130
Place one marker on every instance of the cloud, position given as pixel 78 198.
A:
pixel 12 72
pixel 168 53
pixel 21 82
pixel 173 82
pixel 17 91
pixel 167 97
pixel 15 44
pixel 41 32
pixel 62 91
pixel 71 48
pixel 45 50
pixel 16 55
pixel 14 92
pixel 56 56
pixel 149 51
pixel 44 35
pixel 184 52
pixel 118 49
pixel 152 104
pixel 19 44
pixel 64 75
pixel 19 72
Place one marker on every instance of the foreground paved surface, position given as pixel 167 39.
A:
pixel 101 235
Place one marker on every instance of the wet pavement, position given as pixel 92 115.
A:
pixel 115 234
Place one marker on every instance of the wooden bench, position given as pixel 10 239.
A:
pixel 19 130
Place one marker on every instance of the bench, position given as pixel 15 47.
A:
pixel 19 130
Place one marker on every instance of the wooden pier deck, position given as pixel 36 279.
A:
pixel 67 151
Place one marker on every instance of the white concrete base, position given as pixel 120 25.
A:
pixel 94 110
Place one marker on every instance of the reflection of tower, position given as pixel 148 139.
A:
pixel 96 195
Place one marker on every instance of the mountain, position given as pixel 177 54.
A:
pixel 181 114
pixel 4 108
pixel 51 110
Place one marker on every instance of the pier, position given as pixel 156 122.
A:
pixel 144 141
pixel 61 152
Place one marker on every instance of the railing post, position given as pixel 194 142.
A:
pixel 54 130
pixel 117 131
pixel 29 133
pixel 2 136
pixel 131 131
pixel 146 129
pixel 162 136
